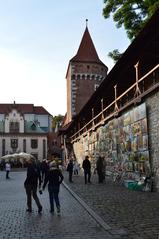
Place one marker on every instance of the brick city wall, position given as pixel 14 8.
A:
pixel 153 129
pixel 152 109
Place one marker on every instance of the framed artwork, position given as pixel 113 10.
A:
pixel 145 142
pixel 140 112
pixel 127 119
pixel 144 126
pixel 134 145
pixel 136 128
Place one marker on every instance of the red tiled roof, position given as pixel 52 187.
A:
pixel 23 108
pixel 86 51
pixel 40 110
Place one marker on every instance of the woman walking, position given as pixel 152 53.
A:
pixel 54 178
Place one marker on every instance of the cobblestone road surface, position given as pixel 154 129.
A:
pixel 15 223
pixel 137 213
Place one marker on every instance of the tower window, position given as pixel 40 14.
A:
pixel 78 77
pixel 73 77
pixel 88 77
pixel 96 86
pixel 93 77
pixel 88 66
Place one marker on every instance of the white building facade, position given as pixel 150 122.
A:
pixel 24 128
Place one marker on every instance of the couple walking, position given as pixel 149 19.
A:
pixel 54 178
pixel 86 165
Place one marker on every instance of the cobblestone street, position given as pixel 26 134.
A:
pixel 126 214
pixel 15 223
pixel 137 213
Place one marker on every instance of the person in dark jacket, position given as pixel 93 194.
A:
pixel 44 168
pixel 54 178
pixel 99 168
pixel 86 165
pixel 70 170
pixel 33 180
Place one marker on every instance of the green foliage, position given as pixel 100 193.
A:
pixel 115 55
pixel 56 119
pixel 132 14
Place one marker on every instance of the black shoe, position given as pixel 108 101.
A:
pixel 40 209
pixel 28 210
pixel 52 211
pixel 58 210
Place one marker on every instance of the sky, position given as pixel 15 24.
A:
pixel 37 40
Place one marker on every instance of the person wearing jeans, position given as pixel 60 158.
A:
pixel 31 183
pixel 54 178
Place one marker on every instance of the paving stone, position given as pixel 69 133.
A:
pixel 74 222
pixel 133 212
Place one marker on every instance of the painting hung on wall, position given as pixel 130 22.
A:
pixel 144 126
pixel 124 138
pixel 139 112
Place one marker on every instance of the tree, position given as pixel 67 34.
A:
pixel 132 14
pixel 56 119
pixel 115 55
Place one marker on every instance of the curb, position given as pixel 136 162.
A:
pixel 94 215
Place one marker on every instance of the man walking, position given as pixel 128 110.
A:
pixel 86 165
pixel 31 183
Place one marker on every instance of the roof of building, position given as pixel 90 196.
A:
pixel 33 127
pixel 86 51
pixel 23 109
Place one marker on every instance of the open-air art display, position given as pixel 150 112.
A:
pixel 123 140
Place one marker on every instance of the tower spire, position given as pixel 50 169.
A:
pixel 86 22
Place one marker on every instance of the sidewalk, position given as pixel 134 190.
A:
pixel 137 213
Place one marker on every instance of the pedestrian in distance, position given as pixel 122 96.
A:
pixel 70 170
pixel 32 181
pixel 75 167
pixel 86 165
pixel 100 168
pixel 54 178
pixel 8 169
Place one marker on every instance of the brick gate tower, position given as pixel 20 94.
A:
pixel 85 73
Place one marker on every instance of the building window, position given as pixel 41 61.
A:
pixel 78 77
pixel 73 77
pixel 14 143
pixel 34 143
pixel 88 77
pixel 3 147
pixel 96 86
pixel 24 145
pixel 93 77
pixel 44 148
pixel 14 127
